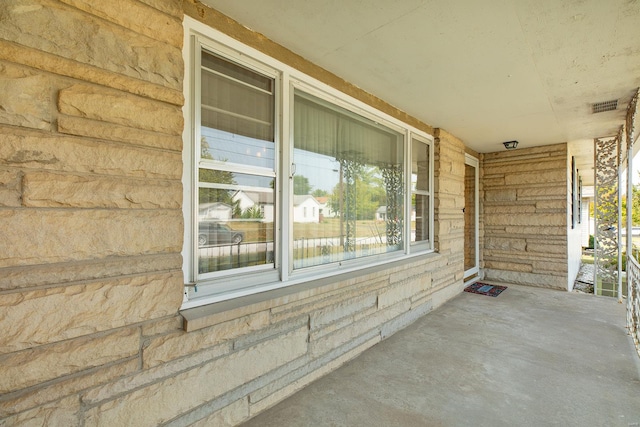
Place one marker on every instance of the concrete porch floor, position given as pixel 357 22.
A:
pixel 530 357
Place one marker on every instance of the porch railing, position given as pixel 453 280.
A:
pixel 633 300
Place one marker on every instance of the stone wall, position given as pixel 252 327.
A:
pixel 90 205
pixel 525 216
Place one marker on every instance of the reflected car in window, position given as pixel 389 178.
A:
pixel 215 233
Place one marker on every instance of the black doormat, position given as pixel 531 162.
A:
pixel 485 289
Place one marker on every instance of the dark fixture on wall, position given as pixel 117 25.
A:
pixel 510 145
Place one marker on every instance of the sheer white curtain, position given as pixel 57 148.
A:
pixel 343 135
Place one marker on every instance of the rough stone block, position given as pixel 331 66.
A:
pixel 275 329
pixel 62 273
pixel 543 280
pixel 124 109
pixel 405 273
pixel 326 296
pixel 229 416
pixel 347 308
pixel 541 219
pixel 162 401
pixel 500 195
pixel 70 154
pixel 536 230
pixel 10 187
pixel 68 67
pixel 136 16
pixel 509 265
pixel 62 413
pixel 29 237
pixel 505 244
pixel 501 209
pixel 555 205
pixel 57 314
pixel 25 98
pixel 541 166
pixel 143 378
pixel 493 183
pixel 451 187
pixel 404 291
pixel 536 178
pixel 170 7
pixel 342 323
pixel 29 367
pixel 162 326
pixel 37 23
pixel 45 189
pixel 550 267
pixel 102 130
pixel 357 328
pixel 168 347
pixel 52 392
pixel 548 248
pixel 543 193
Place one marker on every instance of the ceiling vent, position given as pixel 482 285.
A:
pixel 601 107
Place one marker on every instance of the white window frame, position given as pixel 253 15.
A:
pixel 423 245
pixel 233 283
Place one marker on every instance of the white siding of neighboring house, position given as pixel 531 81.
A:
pixel 325 207
pixel 306 209
pixel 381 214
pixel 246 201
pixel 217 211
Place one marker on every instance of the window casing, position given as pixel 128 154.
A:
pixel 287 180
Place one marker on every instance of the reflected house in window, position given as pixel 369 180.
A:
pixel 381 213
pixel 252 199
pixel 325 207
pixel 306 209
pixel 215 211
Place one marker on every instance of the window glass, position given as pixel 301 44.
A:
pixel 236 210
pixel 350 169
pixel 236 115
pixel 420 191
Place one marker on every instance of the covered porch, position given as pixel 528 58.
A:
pixel 489 118
pixel 529 357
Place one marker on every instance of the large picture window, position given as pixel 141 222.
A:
pixel 288 180
pixel 351 170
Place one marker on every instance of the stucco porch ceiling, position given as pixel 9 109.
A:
pixel 488 72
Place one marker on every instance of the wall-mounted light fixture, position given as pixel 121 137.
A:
pixel 510 145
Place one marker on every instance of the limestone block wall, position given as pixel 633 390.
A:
pixel 525 216
pixel 91 237
pixel 449 197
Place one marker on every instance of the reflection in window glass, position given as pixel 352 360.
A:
pixel 420 194
pixel 235 221
pixel 350 169
pixel 235 210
